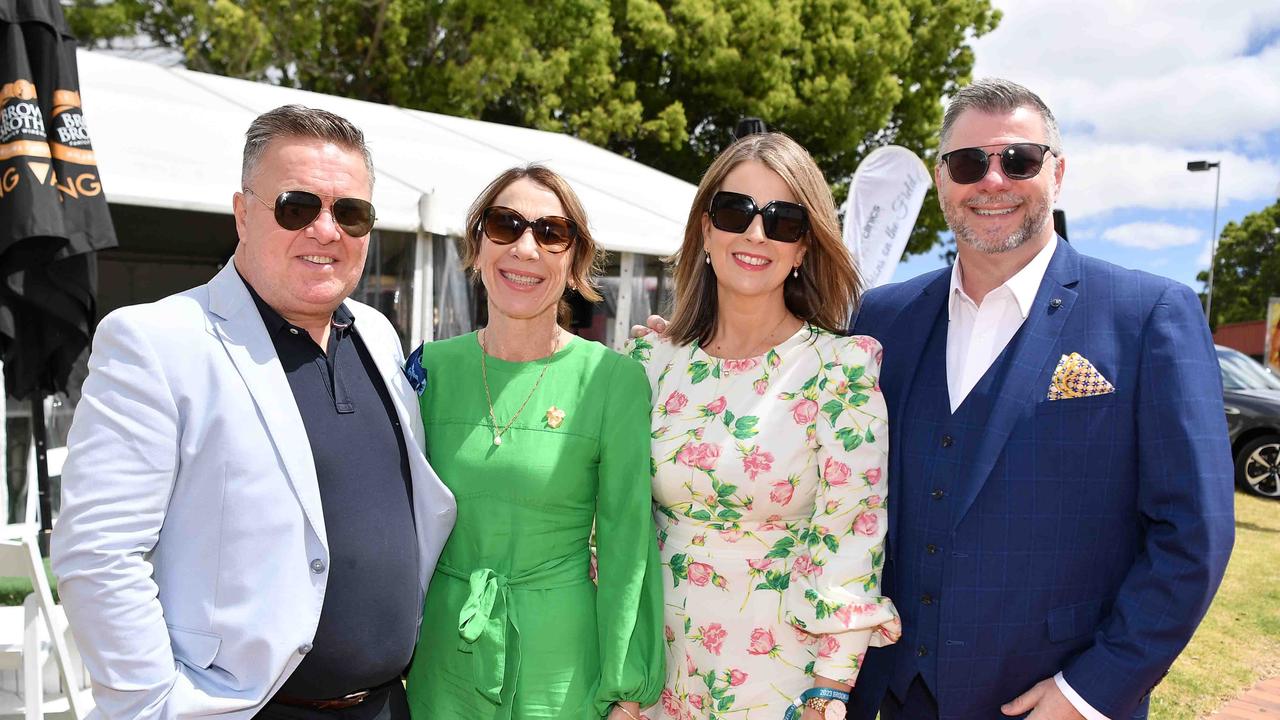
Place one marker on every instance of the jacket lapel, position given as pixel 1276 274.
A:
pixel 910 331
pixel 239 326
pixel 1029 361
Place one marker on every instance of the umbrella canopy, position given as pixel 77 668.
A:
pixel 53 214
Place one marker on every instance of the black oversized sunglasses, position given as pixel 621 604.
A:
pixel 783 221
pixel 296 209
pixel 1018 161
pixel 504 226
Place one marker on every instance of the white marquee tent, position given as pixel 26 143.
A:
pixel 172 138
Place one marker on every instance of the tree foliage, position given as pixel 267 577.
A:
pixel 660 81
pixel 1246 268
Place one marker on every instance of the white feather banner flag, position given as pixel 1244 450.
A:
pixel 884 201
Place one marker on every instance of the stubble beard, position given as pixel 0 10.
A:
pixel 1033 222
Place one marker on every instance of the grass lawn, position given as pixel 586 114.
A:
pixel 1239 641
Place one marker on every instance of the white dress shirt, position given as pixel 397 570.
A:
pixel 976 335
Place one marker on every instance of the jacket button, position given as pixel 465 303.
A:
pixel 317 566
pixel 304 648
pixel 922 651
pixel 937 494
pixel 931 548
pixel 926 599
pixel 947 441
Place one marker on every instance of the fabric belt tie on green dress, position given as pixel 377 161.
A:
pixel 488 614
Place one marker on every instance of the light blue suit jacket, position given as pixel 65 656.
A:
pixel 191 548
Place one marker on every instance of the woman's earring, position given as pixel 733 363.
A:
pixel 795 271
pixel 707 257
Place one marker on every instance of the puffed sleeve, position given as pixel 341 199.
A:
pixel 835 581
pixel 629 598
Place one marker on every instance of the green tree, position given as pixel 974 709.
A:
pixel 1246 268
pixel 660 81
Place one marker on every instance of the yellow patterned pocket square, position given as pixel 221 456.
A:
pixel 1076 377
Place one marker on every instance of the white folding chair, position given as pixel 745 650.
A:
pixel 35 634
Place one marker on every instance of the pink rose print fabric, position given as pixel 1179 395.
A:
pixel 769 475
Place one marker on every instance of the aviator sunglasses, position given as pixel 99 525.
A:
pixel 296 209
pixel 504 226
pixel 783 221
pixel 1018 161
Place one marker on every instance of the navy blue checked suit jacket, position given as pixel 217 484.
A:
pixel 1087 535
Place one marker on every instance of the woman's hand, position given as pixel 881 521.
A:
pixel 627 711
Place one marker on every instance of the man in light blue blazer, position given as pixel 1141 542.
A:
pixel 248 523
pixel 1060 479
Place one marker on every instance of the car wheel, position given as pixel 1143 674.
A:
pixel 1258 466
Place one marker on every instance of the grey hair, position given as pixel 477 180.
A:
pixel 999 96
pixel 299 121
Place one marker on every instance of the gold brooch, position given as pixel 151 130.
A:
pixel 555 416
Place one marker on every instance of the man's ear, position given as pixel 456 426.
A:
pixel 1059 169
pixel 240 210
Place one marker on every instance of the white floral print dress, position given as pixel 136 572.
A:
pixel 769 481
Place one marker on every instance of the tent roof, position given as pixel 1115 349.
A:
pixel 172 138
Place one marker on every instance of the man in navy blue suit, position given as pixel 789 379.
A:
pixel 1061 486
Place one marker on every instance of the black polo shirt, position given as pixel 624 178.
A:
pixel 369 620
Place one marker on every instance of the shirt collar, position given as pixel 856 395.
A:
pixel 342 319
pixel 1023 285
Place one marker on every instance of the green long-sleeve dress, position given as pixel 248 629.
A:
pixel 513 626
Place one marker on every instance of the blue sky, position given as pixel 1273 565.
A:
pixel 1141 87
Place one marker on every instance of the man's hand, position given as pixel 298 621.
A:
pixel 1044 701
pixel 655 323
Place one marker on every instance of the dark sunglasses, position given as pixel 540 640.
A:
pixel 296 209
pixel 504 226
pixel 1019 161
pixel 783 221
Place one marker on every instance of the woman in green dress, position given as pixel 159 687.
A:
pixel 539 434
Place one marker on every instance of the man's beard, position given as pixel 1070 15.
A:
pixel 1034 219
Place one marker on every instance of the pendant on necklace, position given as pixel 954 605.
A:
pixel 497 439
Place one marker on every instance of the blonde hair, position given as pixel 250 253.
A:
pixel 828 287
pixel 587 257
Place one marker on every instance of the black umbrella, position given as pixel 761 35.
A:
pixel 53 215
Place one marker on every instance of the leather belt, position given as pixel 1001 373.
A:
pixel 342 703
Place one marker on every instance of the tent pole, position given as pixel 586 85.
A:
pixel 40 434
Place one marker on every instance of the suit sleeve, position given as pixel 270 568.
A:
pixel 116 484
pixel 1185 497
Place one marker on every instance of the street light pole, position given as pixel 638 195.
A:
pixel 1201 166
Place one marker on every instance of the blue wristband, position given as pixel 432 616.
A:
pixel 821 693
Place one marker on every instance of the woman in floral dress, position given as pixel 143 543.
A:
pixel 769 444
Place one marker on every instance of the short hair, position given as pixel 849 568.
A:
pixel 828 287
pixel 999 96
pixel 299 121
pixel 587 257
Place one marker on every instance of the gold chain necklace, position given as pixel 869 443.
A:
pixel 484 373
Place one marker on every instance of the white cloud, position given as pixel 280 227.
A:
pixel 1162 71
pixel 1103 177
pixel 1202 260
pixel 1152 235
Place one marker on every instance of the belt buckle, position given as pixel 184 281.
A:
pixel 347 701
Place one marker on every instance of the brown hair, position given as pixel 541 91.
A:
pixel 299 121
pixel 587 257
pixel 828 288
